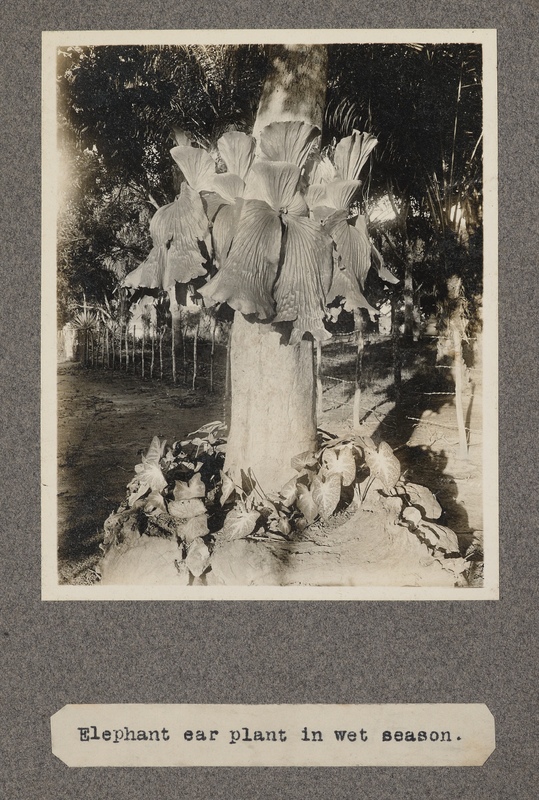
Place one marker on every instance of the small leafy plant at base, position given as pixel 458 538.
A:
pixel 183 495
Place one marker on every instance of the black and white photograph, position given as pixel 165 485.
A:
pixel 269 315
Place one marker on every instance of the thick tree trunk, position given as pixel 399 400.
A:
pixel 295 88
pixel 273 415
pixel 273 409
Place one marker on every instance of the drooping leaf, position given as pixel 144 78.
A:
pixel 186 509
pixel 336 194
pixel 196 164
pixel 198 557
pixel 228 488
pixel 208 429
pixel 184 262
pixel 149 476
pixel 190 227
pixel 341 462
pixel 352 152
pixel 424 498
pixel 288 141
pixel 155 504
pixel 274 182
pixel 194 488
pixel 384 465
pixel 246 278
pixel 340 194
pixel 306 503
pixel 320 170
pixel 352 243
pixel 300 291
pixel 212 202
pixel 346 286
pixel 149 274
pixel 289 492
pixel 239 523
pixel 181 225
pixel 228 186
pixel 237 151
pixel 193 528
pixel 302 460
pixel 162 224
pixel 224 229
pixel 383 272
pixel 326 493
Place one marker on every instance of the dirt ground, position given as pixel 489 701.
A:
pixel 107 418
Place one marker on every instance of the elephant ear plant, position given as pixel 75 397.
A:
pixel 181 494
pixel 269 226
pixel 285 242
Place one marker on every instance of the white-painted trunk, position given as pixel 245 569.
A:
pixel 273 387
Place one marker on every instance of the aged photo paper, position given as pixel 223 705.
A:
pixel 269 315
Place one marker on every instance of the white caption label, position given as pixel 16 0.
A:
pixel 427 735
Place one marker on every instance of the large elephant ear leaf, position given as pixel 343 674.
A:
pixel 274 182
pixel 342 463
pixel 327 493
pixel 148 473
pixel 383 273
pixel 149 274
pixel 239 523
pixel 184 262
pixel 190 218
pixel 197 165
pixel 384 465
pixel 237 151
pixel 228 186
pixel 320 170
pixel 306 503
pixel 316 196
pixel 224 229
pixel 184 258
pixel 340 194
pixel 353 245
pixel 246 278
pixel 336 194
pixel 352 153
pixel 345 286
pixel 288 141
pixel 305 278
pixel 162 224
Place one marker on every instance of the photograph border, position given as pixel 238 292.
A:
pixel 51 590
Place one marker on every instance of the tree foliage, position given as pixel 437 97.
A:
pixel 120 110
pixel 123 107
pixel 423 102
